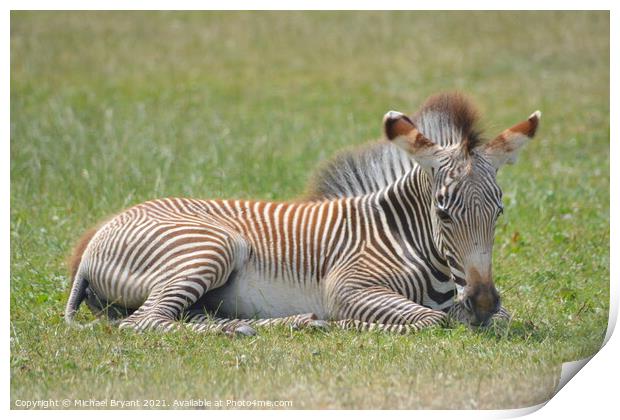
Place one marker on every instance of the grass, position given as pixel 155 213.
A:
pixel 110 109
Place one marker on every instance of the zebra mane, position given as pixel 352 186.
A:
pixel 446 119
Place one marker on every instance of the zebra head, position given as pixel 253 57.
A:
pixel 465 202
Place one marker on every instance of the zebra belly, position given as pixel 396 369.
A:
pixel 249 295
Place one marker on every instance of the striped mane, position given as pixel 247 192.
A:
pixel 447 119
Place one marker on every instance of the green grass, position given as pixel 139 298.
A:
pixel 110 109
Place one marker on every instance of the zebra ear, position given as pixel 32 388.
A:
pixel 399 129
pixel 505 147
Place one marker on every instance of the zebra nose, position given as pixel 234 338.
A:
pixel 483 318
pixel 483 305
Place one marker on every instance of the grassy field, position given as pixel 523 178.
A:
pixel 110 109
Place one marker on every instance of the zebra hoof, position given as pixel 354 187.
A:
pixel 245 330
pixel 319 324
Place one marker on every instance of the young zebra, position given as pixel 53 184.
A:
pixel 381 242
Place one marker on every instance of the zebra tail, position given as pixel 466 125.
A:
pixel 78 284
pixel 76 297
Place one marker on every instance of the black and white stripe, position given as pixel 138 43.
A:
pixel 380 243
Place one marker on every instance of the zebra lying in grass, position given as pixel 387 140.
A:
pixel 381 241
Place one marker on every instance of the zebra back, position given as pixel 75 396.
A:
pixel 446 119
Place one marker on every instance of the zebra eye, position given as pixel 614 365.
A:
pixel 443 215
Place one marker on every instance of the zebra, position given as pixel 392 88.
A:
pixel 396 236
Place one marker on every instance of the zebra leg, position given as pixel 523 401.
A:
pixel 501 315
pixel 151 315
pixel 200 321
pixel 457 313
pixel 300 321
pixel 378 308
pixel 356 325
pixel 204 323
pixel 167 303
pixel 163 308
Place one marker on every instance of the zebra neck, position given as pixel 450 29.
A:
pixel 405 206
